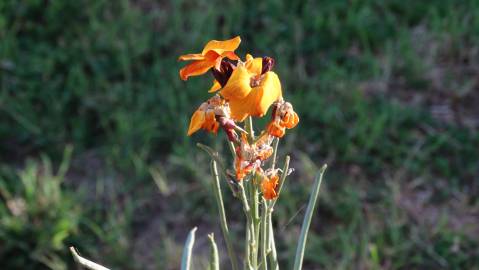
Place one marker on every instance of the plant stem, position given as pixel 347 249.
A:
pixel 221 209
pixel 85 262
pixel 186 257
pixel 214 258
pixel 215 156
pixel 298 260
pixel 252 218
pixel 273 258
pixel 253 244
pixel 246 209
pixel 275 151
pixel 249 128
pixel 264 235
pixel 232 149
pixel 256 219
pixel 281 181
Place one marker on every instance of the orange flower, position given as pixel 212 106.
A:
pixel 284 117
pixel 243 160
pixel 249 157
pixel 275 129
pixel 211 56
pixel 252 88
pixel 205 116
pixel 269 187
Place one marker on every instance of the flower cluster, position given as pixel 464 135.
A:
pixel 242 89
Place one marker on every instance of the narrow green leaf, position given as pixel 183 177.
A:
pixel 186 257
pixel 214 258
pixel 298 260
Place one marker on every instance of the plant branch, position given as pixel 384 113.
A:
pixel 85 262
pixel 221 209
pixel 264 235
pixel 284 174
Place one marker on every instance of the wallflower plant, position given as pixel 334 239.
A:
pixel 242 91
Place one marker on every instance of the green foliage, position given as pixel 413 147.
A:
pixel 102 75
pixel 37 217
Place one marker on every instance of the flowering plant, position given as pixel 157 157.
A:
pixel 242 91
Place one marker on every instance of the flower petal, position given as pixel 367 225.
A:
pixel 215 87
pixel 196 122
pixel 292 120
pixel 238 85
pixel 196 68
pixel 257 102
pixel 191 56
pixel 268 187
pixel 230 55
pixel 271 92
pixel 221 46
pixel 254 65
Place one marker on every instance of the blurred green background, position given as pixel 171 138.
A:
pixel 93 120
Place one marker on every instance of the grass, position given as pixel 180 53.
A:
pixel 386 93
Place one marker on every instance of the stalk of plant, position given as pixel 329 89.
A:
pixel 85 262
pixel 245 90
pixel 242 91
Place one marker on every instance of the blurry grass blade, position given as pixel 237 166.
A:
pixel 160 181
pixel 67 154
pixel 84 262
pixel 373 251
pixel 214 258
pixel 298 260
pixel 186 257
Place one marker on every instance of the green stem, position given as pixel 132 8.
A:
pixel 232 149
pixel 221 209
pixel 275 151
pixel 252 216
pixel 281 181
pixel 298 260
pixel 256 219
pixel 246 209
pixel 273 257
pixel 85 262
pixel 214 258
pixel 264 235
pixel 247 246
pixel 252 247
pixel 268 220
pixel 249 129
pixel 216 157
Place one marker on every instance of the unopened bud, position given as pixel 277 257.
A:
pixel 268 64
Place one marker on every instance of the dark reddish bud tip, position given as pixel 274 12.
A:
pixel 231 134
pixel 224 73
pixel 268 64
pixel 228 126
pixel 227 123
pixel 273 111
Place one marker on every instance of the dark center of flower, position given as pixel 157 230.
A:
pixel 224 73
